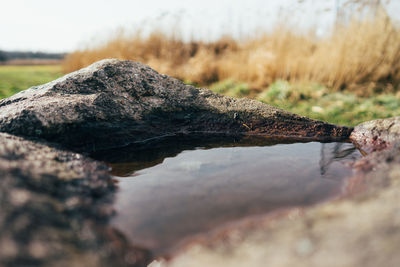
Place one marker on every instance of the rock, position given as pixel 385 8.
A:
pixel 377 134
pixel 54 209
pixel 114 103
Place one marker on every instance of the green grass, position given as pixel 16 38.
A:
pixel 230 88
pixel 318 102
pixel 16 78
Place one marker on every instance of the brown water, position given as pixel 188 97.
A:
pixel 170 196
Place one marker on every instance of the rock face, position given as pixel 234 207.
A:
pixel 54 209
pixel 377 134
pixel 113 103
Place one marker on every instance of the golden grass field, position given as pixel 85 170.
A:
pixel 362 56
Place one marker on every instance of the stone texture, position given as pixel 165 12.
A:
pixel 377 134
pixel 54 209
pixel 113 103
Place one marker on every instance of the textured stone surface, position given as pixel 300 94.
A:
pixel 377 134
pixel 113 103
pixel 362 229
pixel 54 209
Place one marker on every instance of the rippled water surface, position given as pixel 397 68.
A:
pixel 165 199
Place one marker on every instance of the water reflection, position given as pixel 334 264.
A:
pixel 168 199
pixel 331 152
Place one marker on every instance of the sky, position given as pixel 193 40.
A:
pixel 64 26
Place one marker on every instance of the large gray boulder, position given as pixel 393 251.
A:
pixel 55 207
pixel 113 103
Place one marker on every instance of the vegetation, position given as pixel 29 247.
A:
pixel 16 78
pixel 349 76
pixel 346 77
pixel 361 56
pixel 318 102
pixel 309 99
pixel 12 55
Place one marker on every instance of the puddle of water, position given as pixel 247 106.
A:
pixel 165 200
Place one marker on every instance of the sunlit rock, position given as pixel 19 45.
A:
pixel 113 103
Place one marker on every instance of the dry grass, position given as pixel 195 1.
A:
pixel 363 56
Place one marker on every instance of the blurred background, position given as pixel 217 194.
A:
pixel 334 60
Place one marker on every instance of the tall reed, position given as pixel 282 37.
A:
pixel 362 55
